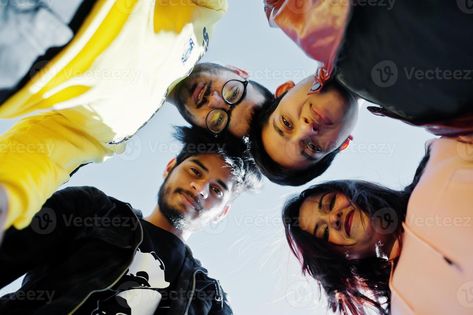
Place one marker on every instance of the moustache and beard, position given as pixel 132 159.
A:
pixel 173 215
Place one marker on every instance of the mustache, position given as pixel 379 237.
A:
pixel 195 200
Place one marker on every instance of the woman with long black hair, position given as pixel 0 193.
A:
pixel 400 252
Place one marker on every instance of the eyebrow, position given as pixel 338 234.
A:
pixel 320 207
pixel 206 94
pixel 199 163
pixel 222 184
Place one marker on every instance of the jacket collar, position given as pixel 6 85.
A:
pixel 317 26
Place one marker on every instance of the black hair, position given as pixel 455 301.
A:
pixel 272 170
pixel 234 152
pixel 349 284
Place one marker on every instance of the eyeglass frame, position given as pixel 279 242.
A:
pixel 232 106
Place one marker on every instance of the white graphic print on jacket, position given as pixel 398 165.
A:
pixel 136 293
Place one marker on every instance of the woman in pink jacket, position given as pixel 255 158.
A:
pixel 399 252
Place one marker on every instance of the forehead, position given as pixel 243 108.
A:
pixel 220 75
pixel 214 165
pixel 297 96
pixel 308 213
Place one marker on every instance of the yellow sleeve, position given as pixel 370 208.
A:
pixel 39 153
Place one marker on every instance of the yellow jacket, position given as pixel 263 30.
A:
pixel 97 92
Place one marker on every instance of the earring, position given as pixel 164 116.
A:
pixel 347 254
pixel 380 250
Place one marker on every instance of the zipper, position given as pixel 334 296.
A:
pixel 194 280
pixel 218 292
pixel 123 272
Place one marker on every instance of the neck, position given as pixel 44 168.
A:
pixel 158 219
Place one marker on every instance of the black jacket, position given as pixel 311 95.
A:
pixel 82 241
pixel 414 58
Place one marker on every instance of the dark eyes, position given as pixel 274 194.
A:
pixel 196 172
pixel 332 201
pixel 325 235
pixel 286 122
pixel 328 204
pixel 217 191
pixel 214 188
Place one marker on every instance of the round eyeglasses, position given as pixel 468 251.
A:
pixel 233 92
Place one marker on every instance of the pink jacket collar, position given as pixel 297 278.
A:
pixel 317 26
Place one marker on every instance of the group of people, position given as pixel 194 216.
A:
pixel 368 246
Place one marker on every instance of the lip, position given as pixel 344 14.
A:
pixel 348 222
pixel 198 92
pixel 190 201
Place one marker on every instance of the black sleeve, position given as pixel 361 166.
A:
pixel 49 232
pixel 221 307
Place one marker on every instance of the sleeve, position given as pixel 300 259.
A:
pixel 51 229
pixel 223 306
pixel 38 155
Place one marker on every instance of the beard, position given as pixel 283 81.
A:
pixel 174 217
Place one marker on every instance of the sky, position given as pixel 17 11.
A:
pixel 248 252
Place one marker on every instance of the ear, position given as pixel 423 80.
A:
pixel 223 214
pixel 169 167
pixel 346 143
pixel 242 73
pixel 283 88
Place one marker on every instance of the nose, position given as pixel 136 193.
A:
pixel 201 189
pixel 215 101
pixel 309 126
pixel 335 220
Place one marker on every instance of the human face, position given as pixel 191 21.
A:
pixel 332 217
pixel 304 127
pixel 201 92
pixel 196 191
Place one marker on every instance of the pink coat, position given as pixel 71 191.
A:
pixel 434 274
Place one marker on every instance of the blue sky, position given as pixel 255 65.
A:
pixel 248 252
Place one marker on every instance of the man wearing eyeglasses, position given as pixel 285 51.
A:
pixel 219 98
